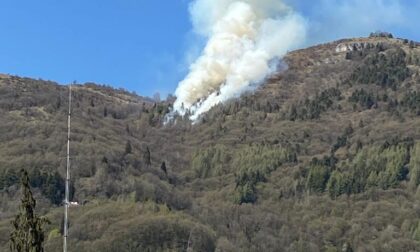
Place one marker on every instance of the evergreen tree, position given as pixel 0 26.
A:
pixel 317 178
pixel 336 184
pixel 163 168
pixel 415 167
pixel 146 157
pixel 28 233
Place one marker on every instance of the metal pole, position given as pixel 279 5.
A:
pixel 66 201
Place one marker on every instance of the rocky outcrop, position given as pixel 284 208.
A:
pixel 354 46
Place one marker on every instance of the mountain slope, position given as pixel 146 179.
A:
pixel 323 157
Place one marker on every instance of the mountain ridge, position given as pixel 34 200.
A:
pixel 321 157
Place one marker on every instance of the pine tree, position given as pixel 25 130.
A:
pixel 28 233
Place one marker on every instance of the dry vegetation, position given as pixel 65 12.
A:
pixel 324 157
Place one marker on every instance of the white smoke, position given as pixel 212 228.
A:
pixel 245 41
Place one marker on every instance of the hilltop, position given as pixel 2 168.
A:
pixel 324 156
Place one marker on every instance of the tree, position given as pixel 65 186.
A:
pixel 336 184
pixel 412 44
pixel 415 167
pixel 146 157
pixel 53 188
pixel 128 148
pixel 163 168
pixel 28 233
pixel 246 193
pixel 317 178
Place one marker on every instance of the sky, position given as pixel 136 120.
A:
pixel 147 46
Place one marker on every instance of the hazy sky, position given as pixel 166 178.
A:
pixel 145 46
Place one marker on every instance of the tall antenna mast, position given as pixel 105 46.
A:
pixel 66 201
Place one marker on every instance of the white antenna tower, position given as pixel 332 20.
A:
pixel 66 201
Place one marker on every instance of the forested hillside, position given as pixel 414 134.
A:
pixel 324 156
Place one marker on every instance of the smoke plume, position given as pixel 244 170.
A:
pixel 245 41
